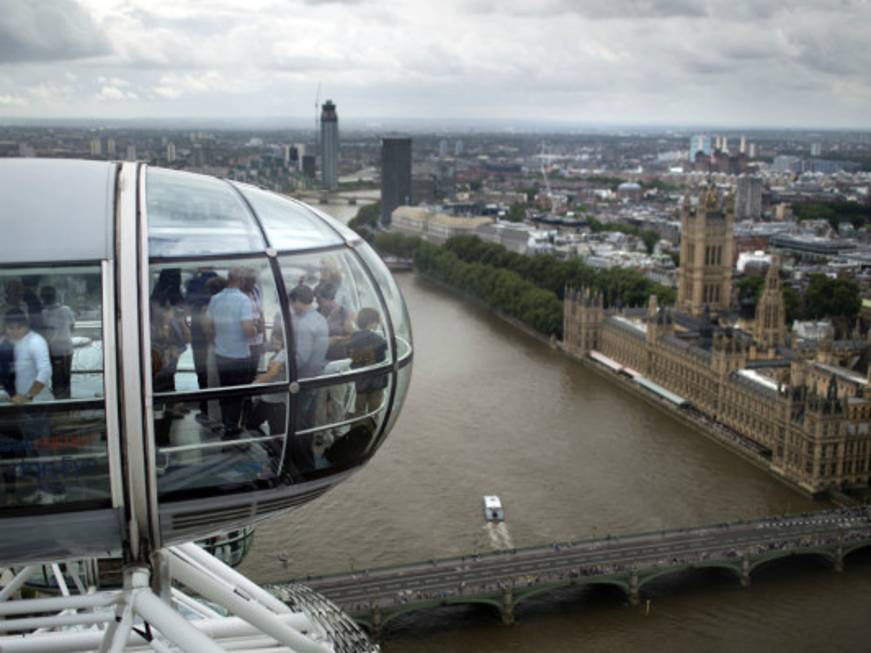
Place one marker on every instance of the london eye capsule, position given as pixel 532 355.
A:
pixel 180 355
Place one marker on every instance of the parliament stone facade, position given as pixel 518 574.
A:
pixel 800 405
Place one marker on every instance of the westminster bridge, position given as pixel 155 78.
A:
pixel 504 579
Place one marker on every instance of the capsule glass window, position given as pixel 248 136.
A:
pixel 219 376
pixel 237 444
pixel 337 318
pixel 338 424
pixel 213 324
pixel 192 214
pixel 53 447
pixel 395 303
pixel 403 380
pixel 289 225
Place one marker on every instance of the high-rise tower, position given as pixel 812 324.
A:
pixel 700 143
pixel 395 175
pixel 748 198
pixel 707 247
pixel 329 146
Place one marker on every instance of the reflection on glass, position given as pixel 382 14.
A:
pixel 328 292
pixel 288 224
pixel 395 303
pixel 403 380
pixel 197 452
pixel 51 332
pixel 337 424
pixel 344 230
pixel 214 325
pixel 192 214
pixel 49 457
pixel 368 348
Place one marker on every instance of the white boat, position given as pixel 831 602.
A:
pixel 493 508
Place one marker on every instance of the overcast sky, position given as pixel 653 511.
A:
pixel 721 62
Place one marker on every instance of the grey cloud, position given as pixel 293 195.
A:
pixel 753 9
pixel 831 53
pixel 48 31
pixel 749 52
pixel 630 9
pixel 205 24
pixel 436 61
pixel 703 67
pixel 731 10
pixel 594 9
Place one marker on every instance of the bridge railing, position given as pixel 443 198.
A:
pixel 610 539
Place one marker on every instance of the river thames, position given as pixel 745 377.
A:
pixel 493 411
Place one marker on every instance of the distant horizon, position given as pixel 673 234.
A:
pixel 426 125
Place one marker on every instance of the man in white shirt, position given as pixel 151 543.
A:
pixel 32 384
pixel 32 361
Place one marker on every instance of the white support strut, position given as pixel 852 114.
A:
pixel 17 583
pixel 203 606
pixel 249 610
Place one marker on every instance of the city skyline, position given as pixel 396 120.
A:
pixel 630 62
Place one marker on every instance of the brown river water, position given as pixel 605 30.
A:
pixel 492 411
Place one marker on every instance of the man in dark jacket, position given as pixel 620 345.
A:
pixel 368 348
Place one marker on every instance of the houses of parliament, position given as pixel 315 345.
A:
pixel 797 403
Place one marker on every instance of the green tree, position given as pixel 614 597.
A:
pixel 834 213
pixel 663 186
pixel 832 298
pixel 516 212
pixel 367 217
pixel 750 287
pixel 650 239
pixel 529 288
pixel 792 304
pixel 531 193
pixel 604 180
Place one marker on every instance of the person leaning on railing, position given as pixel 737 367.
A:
pixel 271 408
pixel 367 348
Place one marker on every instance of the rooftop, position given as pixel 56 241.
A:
pixel 843 373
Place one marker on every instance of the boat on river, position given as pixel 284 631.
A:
pixel 399 264
pixel 493 508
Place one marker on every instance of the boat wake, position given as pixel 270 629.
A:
pixel 500 537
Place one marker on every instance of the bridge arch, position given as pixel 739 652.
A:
pixel 522 597
pixel 828 556
pixel 390 615
pixel 856 547
pixel 735 571
pixel 365 623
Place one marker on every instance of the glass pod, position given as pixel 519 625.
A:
pixel 180 355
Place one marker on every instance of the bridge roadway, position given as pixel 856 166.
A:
pixel 503 579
